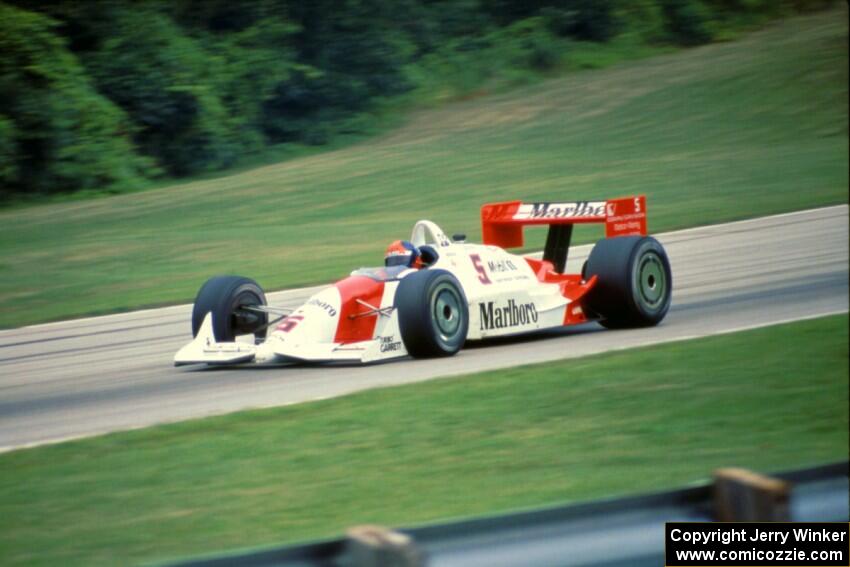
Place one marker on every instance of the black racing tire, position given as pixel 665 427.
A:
pixel 634 282
pixel 433 314
pixel 223 296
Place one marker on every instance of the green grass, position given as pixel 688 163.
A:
pixel 718 133
pixel 612 424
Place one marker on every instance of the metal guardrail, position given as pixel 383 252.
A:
pixel 608 533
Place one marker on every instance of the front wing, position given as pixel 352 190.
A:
pixel 205 350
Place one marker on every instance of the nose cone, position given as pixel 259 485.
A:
pixel 313 323
pixel 266 352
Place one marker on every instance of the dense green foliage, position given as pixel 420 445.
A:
pixel 619 423
pixel 58 131
pixel 102 95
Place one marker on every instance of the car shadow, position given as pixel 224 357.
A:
pixel 542 335
pixel 536 336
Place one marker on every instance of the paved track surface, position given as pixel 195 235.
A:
pixel 91 376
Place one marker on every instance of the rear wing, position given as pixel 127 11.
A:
pixel 502 223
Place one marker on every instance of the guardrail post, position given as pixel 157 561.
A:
pixel 744 496
pixel 376 546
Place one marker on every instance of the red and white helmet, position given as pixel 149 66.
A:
pixel 403 253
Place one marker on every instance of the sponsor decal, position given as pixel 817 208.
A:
pixel 324 305
pixel 625 216
pixel 626 226
pixel 578 209
pixel 389 344
pixel 494 316
pixel 498 266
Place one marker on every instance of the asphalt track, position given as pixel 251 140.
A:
pixel 90 376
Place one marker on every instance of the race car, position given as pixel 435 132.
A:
pixel 434 293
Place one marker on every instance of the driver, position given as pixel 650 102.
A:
pixel 403 253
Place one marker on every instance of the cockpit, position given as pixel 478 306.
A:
pixel 418 253
pixel 382 273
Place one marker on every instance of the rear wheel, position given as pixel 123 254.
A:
pixel 227 298
pixel 634 281
pixel 433 314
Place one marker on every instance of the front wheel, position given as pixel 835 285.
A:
pixel 634 281
pixel 229 299
pixel 433 314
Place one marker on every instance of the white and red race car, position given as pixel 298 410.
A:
pixel 458 292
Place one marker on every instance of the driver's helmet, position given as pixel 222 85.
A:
pixel 402 253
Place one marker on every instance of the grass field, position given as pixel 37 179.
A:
pixel 617 423
pixel 717 133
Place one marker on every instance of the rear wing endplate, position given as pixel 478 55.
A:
pixel 502 223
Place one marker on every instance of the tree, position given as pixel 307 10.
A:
pixel 61 134
pixel 166 83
